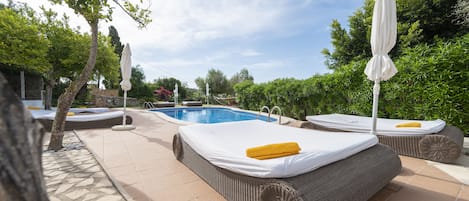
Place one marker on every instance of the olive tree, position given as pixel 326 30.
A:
pixel 93 11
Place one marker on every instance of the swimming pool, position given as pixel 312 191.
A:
pixel 209 115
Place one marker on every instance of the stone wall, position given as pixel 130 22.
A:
pixel 104 92
pixel 114 101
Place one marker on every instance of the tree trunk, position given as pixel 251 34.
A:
pixel 99 80
pixel 21 136
pixel 50 83
pixel 66 99
pixel 48 97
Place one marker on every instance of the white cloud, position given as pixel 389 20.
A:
pixel 267 65
pixel 181 24
pixel 178 25
pixel 183 70
pixel 250 53
pixel 175 63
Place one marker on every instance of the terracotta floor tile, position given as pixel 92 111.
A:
pixel 433 172
pixel 154 184
pixel 98 149
pixel 214 197
pixel 382 195
pixel 193 191
pixel 162 169
pixel 436 185
pixel 117 160
pixel 166 155
pixel 121 170
pixel 415 193
pixel 464 193
pixel 111 140
pixel 405 175
pixel 390 189
pixel 150 165
pixel 136 192
pixel 133 138
pixel 139 154
pixel 148 148
pixel 413 164
pixel 131 178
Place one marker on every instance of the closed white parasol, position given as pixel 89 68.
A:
pixel 176 94
pixel 383 39
pixel 126 70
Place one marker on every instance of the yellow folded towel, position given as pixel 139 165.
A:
pixel 273 150
pixel 70 113
pixel 412 124
pixel 33 108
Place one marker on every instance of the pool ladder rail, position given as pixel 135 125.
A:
pixel 270 111
pixel 148 105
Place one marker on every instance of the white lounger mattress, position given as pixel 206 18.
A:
pixel 90 110
pixel 383 126
pixel 38 114
pixel 225 144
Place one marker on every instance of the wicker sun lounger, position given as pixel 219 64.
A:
pixel 444 146
pixel 192 103
pixel 77 125
pixel 163 104
pixel 356 178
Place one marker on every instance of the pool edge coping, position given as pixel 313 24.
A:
pixel 285 119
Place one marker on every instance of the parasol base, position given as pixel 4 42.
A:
pixel 123 127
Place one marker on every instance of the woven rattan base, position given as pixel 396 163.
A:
pixel 355 178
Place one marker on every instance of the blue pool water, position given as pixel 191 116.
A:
pixel 209 115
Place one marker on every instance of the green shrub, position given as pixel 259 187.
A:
pixel 432 83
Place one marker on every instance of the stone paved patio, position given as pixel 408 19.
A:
pixel 73 174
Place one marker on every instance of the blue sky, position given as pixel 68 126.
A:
pixel 271 38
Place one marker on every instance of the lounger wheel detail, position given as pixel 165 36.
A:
pixel 177 147
pixel 279 191
pixel 439 148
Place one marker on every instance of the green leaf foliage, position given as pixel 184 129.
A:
pixel 115 40
pixel 432 83
pixel 218 83
pixel 418 21
pixel 22 45
pixel 107 61
pixel 139 88
pixel 169 84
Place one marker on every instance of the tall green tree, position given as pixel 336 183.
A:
pixel 434 17
pixel 139 88
pixel 116 41
pixel 218 83
pixel 340 41
pixel 93 11
pixel 242 76
pixel 118 48
pixel 22 45
pixel 107 62
pixel 169 84
pixel 419 21
pixel 60 37
pixel 67 56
